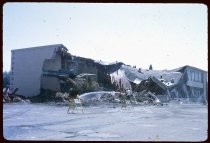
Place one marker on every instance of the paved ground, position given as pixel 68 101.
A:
pixel 173 122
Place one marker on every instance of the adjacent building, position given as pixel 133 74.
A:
pixel 193 84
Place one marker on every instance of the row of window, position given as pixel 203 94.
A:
pixel 196 92
pixel 195 76
pixel 12 72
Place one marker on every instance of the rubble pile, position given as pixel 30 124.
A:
pixel 46 96
pixel 141 98
pixel 9 97
pixel 147 98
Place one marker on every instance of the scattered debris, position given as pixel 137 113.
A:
pixel 147 97
pixel 151 84
pixel 9 97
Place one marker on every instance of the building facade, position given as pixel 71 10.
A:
pixel 196 81
pixel 27 66
pixel 80 65
pixel 47 67
pixel 193 84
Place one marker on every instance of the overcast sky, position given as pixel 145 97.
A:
pixel 165 35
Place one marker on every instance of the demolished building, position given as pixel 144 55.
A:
pixel 52 67
pixel 28 64
pixel 184 82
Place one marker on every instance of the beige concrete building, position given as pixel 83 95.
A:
pixel 27 66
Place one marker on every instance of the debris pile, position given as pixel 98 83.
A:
pixel 141 98
pixel 147 98
pixel 46 96
pixel 151 84
pixel 9 97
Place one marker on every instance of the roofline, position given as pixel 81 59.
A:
pixel 180 68
pixel 196 68
pixel 37 47
pixel 83 58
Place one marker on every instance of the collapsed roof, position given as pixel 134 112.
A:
pixel 152 84
pixel 168 78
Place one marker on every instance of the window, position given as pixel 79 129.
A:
pixel 199 77
pixel 193 75
pixel 196 76
pixel 190 75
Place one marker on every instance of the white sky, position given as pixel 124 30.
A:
pixel 165 35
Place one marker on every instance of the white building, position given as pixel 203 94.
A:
pixel 196 84
pixel 27 66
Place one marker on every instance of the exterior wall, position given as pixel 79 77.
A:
pixel 26 68
pixel 205 88
pixel 193 84
pixel 196 83
pixel 52 64
pixel 84 67
pixel 47 82
pixel 195 77
pixel 51 83
pixel 80 65
pixel 73 66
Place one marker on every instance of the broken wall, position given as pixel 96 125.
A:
pixel 53 64
pixel 80 65
pixel 51 83
pixel 26 68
